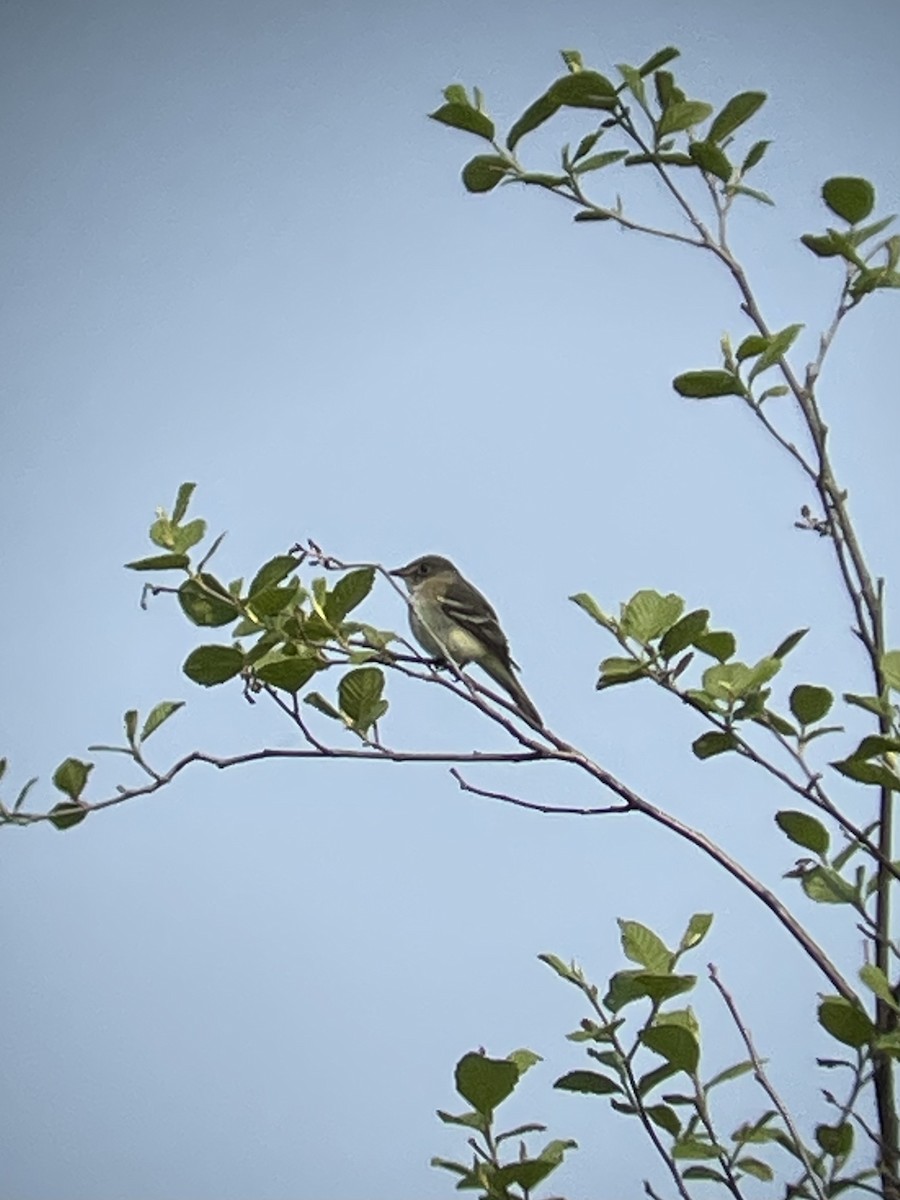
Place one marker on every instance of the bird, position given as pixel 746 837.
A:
pixel 449 617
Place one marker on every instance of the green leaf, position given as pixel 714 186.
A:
pixel 160 562
pixel 705 385
pixel 789 643
pixel 317 701
pixel 728 681
pixel 635 83
pixel 849 197
pixel 675 1044
pixel 485 1082
pixel 810 703
pixel 872 704
pixel 657 60
pixel 858 236
pixel 623 988
pixel 698 927
pixel 666 91
pixel 130 722
pixel 873 977
pixel 803 830
pixel 589 1082
pixel 182 500
pixel 683 115
pixel 642 945
pixel 570 973
pixel 871 773
pixel 751 346
pixel 585 89
pixel 706 1173
pixel 455 93
pixel 159 713
pixel 739 109
pixel 587 143
pixel 270 602
pixel 594 214
pixel 188 535
pixel 836 1140
pixel 664 1117
pixel 708 745
pixel 738 189
pixel 754 156
pixel 349 592
pixel 647 1083
pixel 212 665
pixel 573 60
pixel 524 1059
pixel 464 116
pixel 289 673
pixel 825 886
pixel 660 987
pixel 534 115
pixel 694 1148
pixel 846 1022
pixel 483 172
pixel 71 776
pixel 596 161
pixel 756 1167
pixel 734 1072
pixel 684 632
pixel 673 159
pixel 718 644
pixel 777 346
pixel 649 614
pixel 589 605
pixel 890 669
pixel 712 159
pixel 359 694
pixel 469 1120
pixel 615 671
pixel 205 602
pixel 65 815
pixel 271 573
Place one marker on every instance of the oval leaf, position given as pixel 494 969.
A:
pixel 845 1021
pixel 643 946
pixel 160 562
pixel 289 673
pixel 803 830
pixel 589 1082
pixel 485 1082
pixel 810 703
pixel 705 385
pixel 71 777
pixel 464 116
pixel 849 197
pixel 483 172
pixel 683 115
pixel 739 109
pixel 348 593
pixel 205 602
pixel 211 665
pixel 159 713
pixel 676 1044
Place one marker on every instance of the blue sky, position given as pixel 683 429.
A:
pixel 237 252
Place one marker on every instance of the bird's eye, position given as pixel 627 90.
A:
pixel 423 570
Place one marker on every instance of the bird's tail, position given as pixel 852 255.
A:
pixel 502 674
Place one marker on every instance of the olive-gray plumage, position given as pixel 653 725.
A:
pixel 450 617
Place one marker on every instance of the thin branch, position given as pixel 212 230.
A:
pixel 518 802
pixel 763 1080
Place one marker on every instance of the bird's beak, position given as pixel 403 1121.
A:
pixel 400 572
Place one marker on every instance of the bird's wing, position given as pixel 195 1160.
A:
pixel 465 604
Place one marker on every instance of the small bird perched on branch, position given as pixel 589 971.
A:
pixel 450 617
